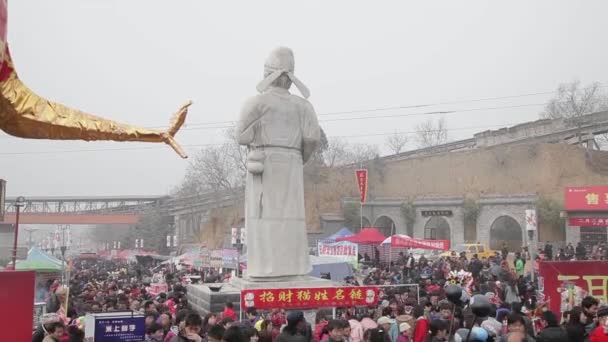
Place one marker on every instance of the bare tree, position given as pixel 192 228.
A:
pixel 431 133
pixel 336 153
pixel 362 153
pixel 339 153
pixel 215 168
pixel 573 100
pixel 396 142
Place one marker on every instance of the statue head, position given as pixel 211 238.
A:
pixel 278 72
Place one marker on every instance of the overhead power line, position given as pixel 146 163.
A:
pixel 379 109
pixel 219 144
pixel 443 112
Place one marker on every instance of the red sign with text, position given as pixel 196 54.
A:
pixel 406 241
pixel 588 221
pixel 362 183
pixel 590 198
pixel 566 283
pixel 305 298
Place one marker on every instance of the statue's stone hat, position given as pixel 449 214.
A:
pixel 281 61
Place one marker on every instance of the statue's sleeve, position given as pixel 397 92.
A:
pixel 245 129
pixel 311 132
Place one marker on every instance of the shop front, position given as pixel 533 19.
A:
pixel 587 215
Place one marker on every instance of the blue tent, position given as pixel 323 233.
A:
pixel 343 232
pixel 337 269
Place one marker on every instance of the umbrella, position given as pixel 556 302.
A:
pixel 387 241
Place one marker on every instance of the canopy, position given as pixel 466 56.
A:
pixel 37 254
pixel 404 241
pixel 37 265
pixel 338 270
pixel 367 236
pixel 39 261
pixel 343 232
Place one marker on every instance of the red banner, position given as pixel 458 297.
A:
pixel 304 298
pixel 157 288
pixel 362 182
pixel 566 283
pixel 341 249
pixel 591 198
pixel 588 221
pixel 18 295
pixel 406 241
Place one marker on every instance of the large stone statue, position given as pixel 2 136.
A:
pixel 282 132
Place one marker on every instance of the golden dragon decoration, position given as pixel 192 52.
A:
pixel 25 114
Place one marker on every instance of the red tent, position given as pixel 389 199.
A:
pixel 367 236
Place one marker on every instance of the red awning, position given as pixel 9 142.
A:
pixel 367 236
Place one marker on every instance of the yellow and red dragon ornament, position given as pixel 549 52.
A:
pixel 25 114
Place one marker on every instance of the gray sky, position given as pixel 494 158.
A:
pixel 137 61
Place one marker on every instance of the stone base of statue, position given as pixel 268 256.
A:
pixel 205 298
pixel 280 282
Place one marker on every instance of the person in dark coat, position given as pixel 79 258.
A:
pixel 580 252
pixel 552 331
pixel 576 326
pixel 296 324
pixel 475 266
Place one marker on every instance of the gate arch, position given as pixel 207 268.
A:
pixel 385 225
pixel 366 222
pixel 437 228
pixel 506 229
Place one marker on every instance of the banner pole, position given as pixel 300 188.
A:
pixel 361 215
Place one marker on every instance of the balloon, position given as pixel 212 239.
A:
pixel 479 334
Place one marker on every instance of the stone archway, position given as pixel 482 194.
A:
pixel 506 229
pixel 437 228
pixel 385 225
pixel 366 222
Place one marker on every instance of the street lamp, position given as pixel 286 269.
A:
pixel 20 202
pixel 63 246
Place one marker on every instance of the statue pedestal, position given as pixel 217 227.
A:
pixel 281 282
pixel 204 298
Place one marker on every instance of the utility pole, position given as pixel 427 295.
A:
pixel 30 241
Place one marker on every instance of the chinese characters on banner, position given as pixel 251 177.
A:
pixel 531 221
pixel 343 250
pixel 119 329
pixel 566 283
pixel 588 221
pixel 594 198
pixel 304 298
pixel 408 242
pixel 362 183
pixel 216 258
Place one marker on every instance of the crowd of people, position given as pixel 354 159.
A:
pixel 404 314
